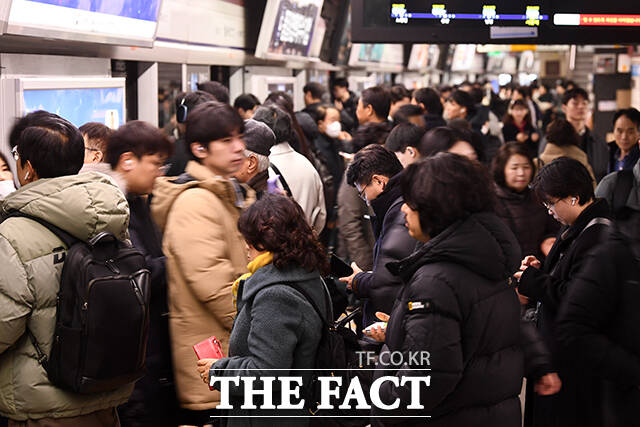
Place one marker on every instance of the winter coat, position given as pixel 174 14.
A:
pixel 510 133
pixel 276 328
pixel 549 286
pixel 205 252
pixel 304 182
pixel 553 151
pixel 330 150
pixel 354 227
pixel 83 205
pixel 527 218
pixel 153 401
pixel 597 153
pixel 608 184
pixel 457 304
pixel 599 331
pixel 393 243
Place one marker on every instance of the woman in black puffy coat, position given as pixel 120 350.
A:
pixel 458 305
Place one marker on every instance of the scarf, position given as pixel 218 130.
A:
pixel 259 262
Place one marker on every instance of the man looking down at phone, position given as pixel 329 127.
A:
pixel 375 174
pixel 198 212
pixel 276 327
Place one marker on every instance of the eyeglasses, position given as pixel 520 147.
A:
pixel 14 152
pixel 550 205
pixel 361 192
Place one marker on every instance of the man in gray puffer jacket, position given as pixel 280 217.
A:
pixel 49 152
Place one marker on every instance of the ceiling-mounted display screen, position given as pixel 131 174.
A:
pixel 288 29
pixel 496 21
pixel 122 22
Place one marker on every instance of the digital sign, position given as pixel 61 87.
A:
pixel 496 22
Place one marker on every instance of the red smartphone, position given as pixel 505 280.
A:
pixel 209 349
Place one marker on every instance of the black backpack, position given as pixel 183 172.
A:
pixel 336 357
pixel 627 219
pixel 102 317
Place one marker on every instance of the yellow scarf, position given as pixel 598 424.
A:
pixel 259 262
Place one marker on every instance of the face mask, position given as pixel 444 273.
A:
pixel 334 129
pixel 6 188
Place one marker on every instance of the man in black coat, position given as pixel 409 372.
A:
pixel 566 187
pixel 375 174
pixel 598 328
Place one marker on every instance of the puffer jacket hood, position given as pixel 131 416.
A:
pixel 167 190
pixel 83 205
pixel 476 243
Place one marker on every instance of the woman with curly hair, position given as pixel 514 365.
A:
pixel 276 327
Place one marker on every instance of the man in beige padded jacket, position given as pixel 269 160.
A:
pixel 198 212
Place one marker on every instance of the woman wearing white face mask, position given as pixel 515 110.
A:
pixel 6 178
pixel 328 142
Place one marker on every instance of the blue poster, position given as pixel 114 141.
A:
pixel 79 106
pixel 146 10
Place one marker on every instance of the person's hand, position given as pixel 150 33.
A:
pixel 204 365
pixel 521 137
pixel 349 279
pixel 338 104
pixel 523 300
pixel 344 136
pixel 530 261
pixel 378 333
pixel 535 136
pixel 548 385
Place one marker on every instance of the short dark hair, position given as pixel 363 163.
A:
pixel 446 188
pixel 246 101
pixel 562 178
pixel 463 99
pixel 320 112
pixel 404 112
pixel 277 119
pixel 505 152
pixel 370 133
pixel 576 92
pixel 52 144
pixel 372 160
pixel 430 99
pixel 379 99
pixel 525 91
pixel 139 138
pixel 398 93
pixel 192 99
pixel 211 121
pixel 277 224
pixel 341 82
pixel 217 89
pixel 404 135
pixel 562 133
pixel 630 113
pixel 97 135
pixel 477 94
pixel 441 139
pixel 316 89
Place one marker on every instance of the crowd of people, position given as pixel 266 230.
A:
pixel 494 231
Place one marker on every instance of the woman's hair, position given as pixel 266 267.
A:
pixel 502 157
pixel 277 224
pixel 285 102
pixel 562 133
pixel 441 139
pixel 4 159
pixel 518 103
pixel 320 112
pixel 446 188
pixel 562 178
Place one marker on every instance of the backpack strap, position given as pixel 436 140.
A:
pixel 282 180
pixel 621 191
pixel 66 238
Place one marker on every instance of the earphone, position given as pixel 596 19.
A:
pixel 573 201
pixel 200 149
pixel 128 162
pixel 26 175
pixel 181 112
